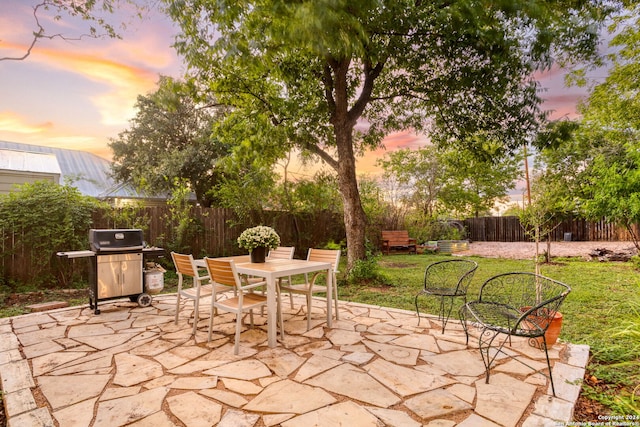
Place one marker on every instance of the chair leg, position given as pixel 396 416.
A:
pixel 177 307
pixel 213 312
pixel 546 353
pixel 417 309
pixel 279 312
pixel 487 359
pixel 179 297
pixel 463 321
pixel 335 297
pixel 195 315
pixel 236 347
pixel 308 311
pixel 445 317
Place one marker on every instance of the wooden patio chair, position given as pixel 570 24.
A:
pixel 223 273
pixel 185 266
pixel 310 287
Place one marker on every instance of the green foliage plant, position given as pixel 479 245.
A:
pixel 367 271
pixel 129 215
pixel 604 150
pixel 171 141
pixel 44 218
pixel 185 226
pixel 430 229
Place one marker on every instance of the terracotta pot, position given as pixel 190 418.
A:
pixel 551 334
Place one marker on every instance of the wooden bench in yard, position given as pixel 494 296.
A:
pixel 398 240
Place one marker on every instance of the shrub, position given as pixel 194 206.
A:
pixel 44 218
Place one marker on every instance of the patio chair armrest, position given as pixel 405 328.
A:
pixel 255 285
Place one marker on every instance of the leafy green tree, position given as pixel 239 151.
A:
pixel 311 195
pixel 333 77
pixel 171 137
pixel 451 181
pixel 472 184
pixel 596 160
pixel 611 116
pixel 419 175
pixel 544 214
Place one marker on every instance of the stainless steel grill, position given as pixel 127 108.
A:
pixel 117 257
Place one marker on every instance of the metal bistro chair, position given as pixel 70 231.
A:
pixel 223 272
pixel 514 304
pixel 185 266
pixel 310 287
pixel 447 279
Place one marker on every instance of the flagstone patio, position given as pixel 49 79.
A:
pixel 375 367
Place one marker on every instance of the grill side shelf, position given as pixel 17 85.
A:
pixel 76 254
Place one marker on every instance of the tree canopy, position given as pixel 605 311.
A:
pixel 172 142
pixel 333 77
pixel 596 160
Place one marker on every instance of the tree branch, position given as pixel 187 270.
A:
pixel 41 34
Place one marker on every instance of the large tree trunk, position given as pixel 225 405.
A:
pixel 354 216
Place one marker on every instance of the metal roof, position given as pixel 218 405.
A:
pixel 23 161
pixel 85 171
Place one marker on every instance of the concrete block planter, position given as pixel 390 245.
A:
pixel 452 246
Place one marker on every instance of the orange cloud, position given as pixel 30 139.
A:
pixel 11 122
pixel 123 82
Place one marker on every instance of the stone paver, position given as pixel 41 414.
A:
pixel 376 366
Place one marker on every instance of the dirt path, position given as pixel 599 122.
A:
pixel 526 250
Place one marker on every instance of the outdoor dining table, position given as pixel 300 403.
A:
pixel 273 269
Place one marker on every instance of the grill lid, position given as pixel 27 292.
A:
pixel 115 240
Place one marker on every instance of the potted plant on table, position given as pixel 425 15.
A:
pixel 258 240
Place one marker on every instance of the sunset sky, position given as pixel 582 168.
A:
pixel 78 94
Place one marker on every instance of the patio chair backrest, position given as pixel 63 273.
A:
pixel 453 275
pixel 325 255
pixel 223 272
pixel 282 252
pixel 525 292
pixel 184 264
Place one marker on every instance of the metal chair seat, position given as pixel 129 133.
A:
pixel 504 319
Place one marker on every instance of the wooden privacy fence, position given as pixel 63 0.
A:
pixel 214 231
pixel 509 229
pixel 211 232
